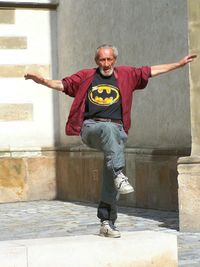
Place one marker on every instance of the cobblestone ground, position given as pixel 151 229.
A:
pixel 39 219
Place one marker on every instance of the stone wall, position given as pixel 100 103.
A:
pixel 152 173
pixel 189 167
pixel 146 33
pixel 33 117
pixel 27 110
pixel 27 175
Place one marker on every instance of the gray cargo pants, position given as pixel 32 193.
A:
pixel 110 138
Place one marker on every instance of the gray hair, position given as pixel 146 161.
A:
pixel 114 48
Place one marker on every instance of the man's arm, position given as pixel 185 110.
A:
pixel 54 84
pixel 160 69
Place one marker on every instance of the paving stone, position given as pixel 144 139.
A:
pixel 39 219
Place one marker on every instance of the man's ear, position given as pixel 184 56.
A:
pixel 96 61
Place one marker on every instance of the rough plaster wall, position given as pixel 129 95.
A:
pixel 28 115
pixel 146 33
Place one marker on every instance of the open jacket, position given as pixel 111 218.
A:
pixel 128 79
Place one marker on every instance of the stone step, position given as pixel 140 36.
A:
pixel 138 249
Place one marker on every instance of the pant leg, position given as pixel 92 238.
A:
pixel 109 138
pixel 106 212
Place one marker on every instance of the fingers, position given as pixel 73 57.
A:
pixel 187 59
pixel 32 76
pixel 190 58
pixel 28 76
pixel 193 56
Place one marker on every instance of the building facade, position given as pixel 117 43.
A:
pixel 58 38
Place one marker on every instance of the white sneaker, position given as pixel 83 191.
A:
pixel 122 185
pixel 109 230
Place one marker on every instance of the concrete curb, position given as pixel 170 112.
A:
pixel 138 249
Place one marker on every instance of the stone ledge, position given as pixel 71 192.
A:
pixel 13 42
pixel 138 249
pixel 51 4
pixel 189 160
pixel 84 148
pixel 16 112
pixel 18 71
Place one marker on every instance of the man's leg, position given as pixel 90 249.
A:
pixel 109 138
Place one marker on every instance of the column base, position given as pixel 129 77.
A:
pixel 189 194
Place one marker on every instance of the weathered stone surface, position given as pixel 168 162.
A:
pixel 79 176
pixel 194 39
pixel 41 178
pixel 138 249
pixel 156 182
pixel 16 112
pixel 17 71
pixel 13 42
pixel 27 178
pixel 189 168
pixel 7 16
pixel 189 200
pixel 12 180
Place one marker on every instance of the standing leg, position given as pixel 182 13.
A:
pixel 107 209
pixel 109 138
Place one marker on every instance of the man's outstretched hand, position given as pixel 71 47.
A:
pixel 35 77
pixel 187 59
pixel 53 84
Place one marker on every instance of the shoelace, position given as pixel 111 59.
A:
pixel 125 179
pixel 123 176
pixel 111 225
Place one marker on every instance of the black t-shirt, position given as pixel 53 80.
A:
pixel 103 98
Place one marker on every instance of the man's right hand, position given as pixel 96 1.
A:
pixel 35 77
pixel 53 84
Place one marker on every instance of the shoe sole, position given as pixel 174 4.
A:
pixel 128 191
pixel 107 235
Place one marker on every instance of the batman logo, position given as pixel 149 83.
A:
pixel 103 95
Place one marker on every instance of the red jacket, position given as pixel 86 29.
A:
pixel 128 79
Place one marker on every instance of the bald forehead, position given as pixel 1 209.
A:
pixel 105 52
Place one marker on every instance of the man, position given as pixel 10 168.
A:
pixel 101 113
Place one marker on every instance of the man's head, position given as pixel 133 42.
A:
pixel 105 58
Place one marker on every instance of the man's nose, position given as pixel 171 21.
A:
pixel 106 63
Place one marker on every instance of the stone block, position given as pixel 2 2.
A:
pixel 16 112
pixel 41 182
pixel 12 255
pixel 12 180
pixel 79 175
pixel 27 178
pixel 154 177
pixel 156 182
pixel 18 71
pixel 188 193
pixel 7 16
pixel 138 249
pixel 13 42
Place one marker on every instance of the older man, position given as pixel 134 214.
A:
pixel 101 114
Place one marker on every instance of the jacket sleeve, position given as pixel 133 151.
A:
pixel 71 83
pixel 142 76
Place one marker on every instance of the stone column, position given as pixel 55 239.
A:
pixel 189 167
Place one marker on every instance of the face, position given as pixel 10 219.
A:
pixel 106 61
